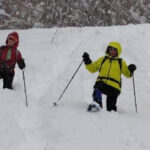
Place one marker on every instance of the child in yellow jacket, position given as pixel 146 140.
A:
pixel 110 68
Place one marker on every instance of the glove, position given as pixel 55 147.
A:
pixel 132 68
pixel 21 64
pixel 86 58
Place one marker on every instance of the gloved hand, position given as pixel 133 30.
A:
pixel 22 64
pixel 86 58
pixel 132 68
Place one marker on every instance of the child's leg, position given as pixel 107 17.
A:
pixel 8 80
pixel 111 103
pixel 97 97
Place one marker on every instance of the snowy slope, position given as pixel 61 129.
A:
pixel 52 56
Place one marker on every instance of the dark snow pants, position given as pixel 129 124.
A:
pixel 111 93
pixel 7 80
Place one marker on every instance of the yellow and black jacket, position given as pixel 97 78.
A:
pixel 110 71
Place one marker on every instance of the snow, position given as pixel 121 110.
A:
pixel 52 56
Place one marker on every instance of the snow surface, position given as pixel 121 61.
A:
pixel 52 56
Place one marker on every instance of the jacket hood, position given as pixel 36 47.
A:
pixel 15 36
pixel 115 45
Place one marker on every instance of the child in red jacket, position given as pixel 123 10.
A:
pixel 9 56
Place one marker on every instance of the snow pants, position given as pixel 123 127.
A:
pixel 111 93
pixel 7 80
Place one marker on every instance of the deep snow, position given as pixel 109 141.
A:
pixel 52 56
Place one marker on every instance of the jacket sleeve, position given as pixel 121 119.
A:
pixel 125 71
pixel 19 57
pixel 20 61
pixel 95 66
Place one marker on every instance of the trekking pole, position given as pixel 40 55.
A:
pixel 55 103
pixel 134 94
pixel 25 91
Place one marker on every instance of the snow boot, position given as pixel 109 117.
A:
pixel 93 108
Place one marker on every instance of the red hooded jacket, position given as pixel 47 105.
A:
pixel 15 55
